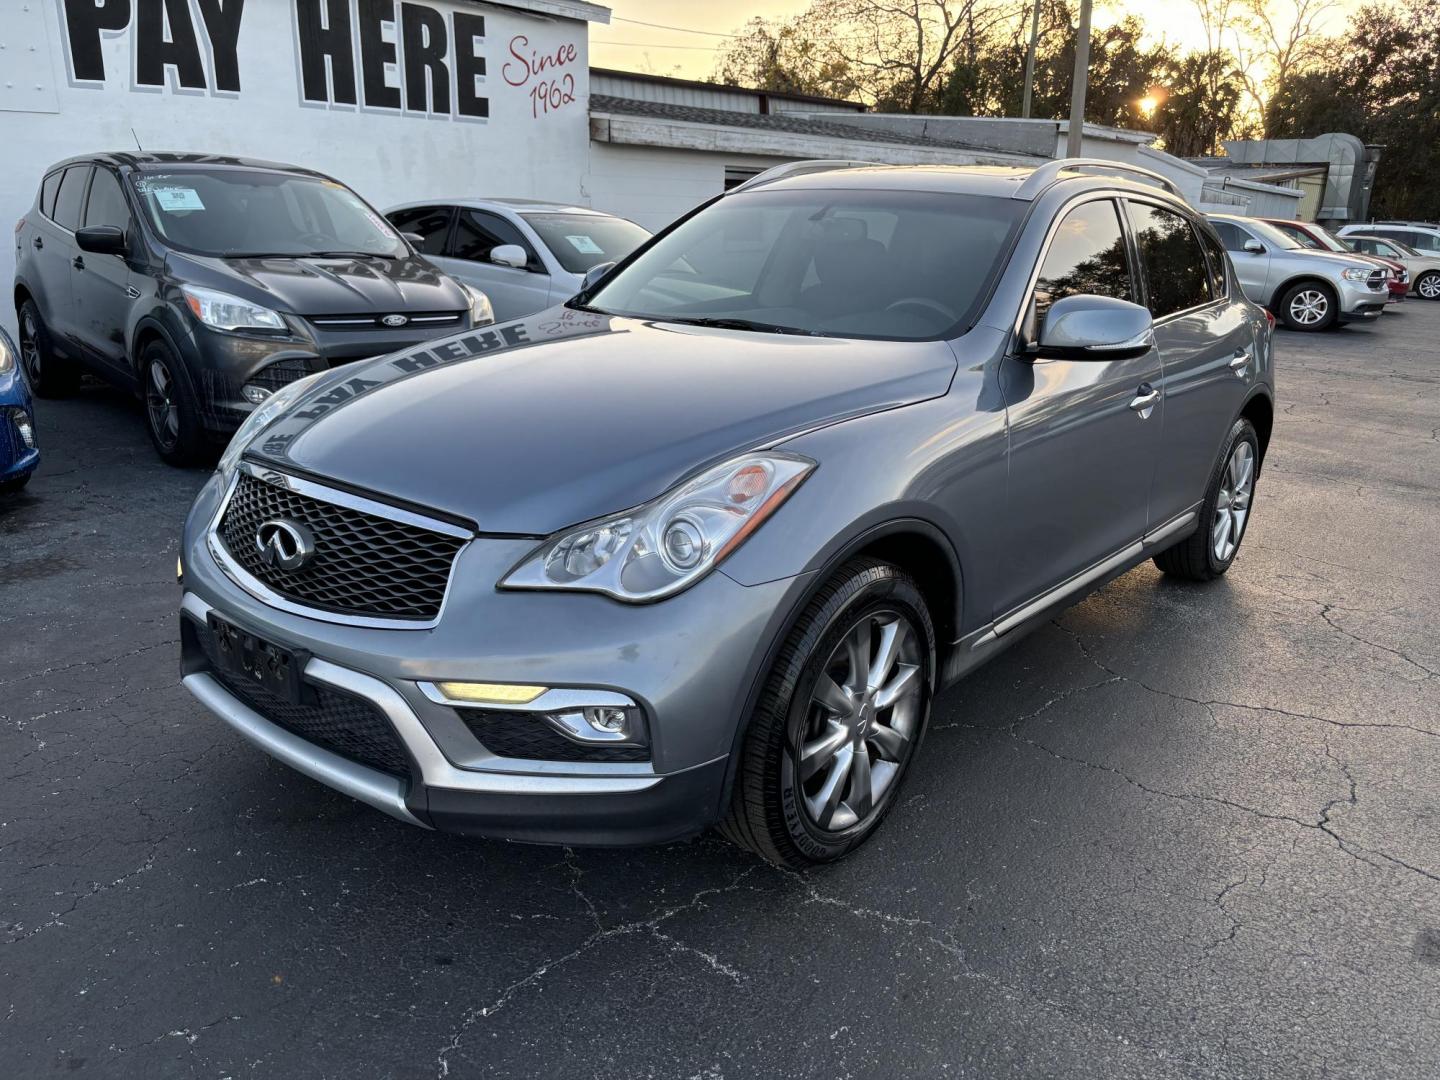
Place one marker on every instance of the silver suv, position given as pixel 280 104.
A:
pixel 701 545
pixel 1305 288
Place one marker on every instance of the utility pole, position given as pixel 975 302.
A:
pixel 1077 88
pixel 1030 60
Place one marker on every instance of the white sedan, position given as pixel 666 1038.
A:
pixel 1424 269
pixel 525 255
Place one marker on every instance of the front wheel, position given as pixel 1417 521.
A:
pixel 171 414
pixel 1308 306
pixel 839 720
pixel 1208 552
pixel 1427 286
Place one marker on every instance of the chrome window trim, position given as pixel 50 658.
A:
pixel 262 592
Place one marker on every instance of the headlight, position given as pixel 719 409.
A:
pixel 262 417
pixel 7 356
pixel 669 544
pixel 1355 273
pixel 226 312
pixel 481 312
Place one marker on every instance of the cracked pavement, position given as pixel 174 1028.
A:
pixel 1180 832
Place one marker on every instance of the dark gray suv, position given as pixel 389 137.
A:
pixel 700 546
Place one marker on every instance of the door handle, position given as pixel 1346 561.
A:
pixel 1144 401
pixel 132 292
pixel 79 263
pixel 38 243
pixel 1240 362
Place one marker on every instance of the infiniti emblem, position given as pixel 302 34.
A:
pixel 284 544
pixel 395 320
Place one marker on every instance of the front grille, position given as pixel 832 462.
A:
pixel 363 564
pixel 419 320
pixel 347 725
pixel 525 735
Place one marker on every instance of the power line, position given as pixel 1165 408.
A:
pixel 652 45
pixel 667 26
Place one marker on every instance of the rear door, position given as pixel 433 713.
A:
pixel 1082 452
pixel 1207 344
pixel 55 254
pixel 101 283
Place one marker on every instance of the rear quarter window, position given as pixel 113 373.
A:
pixel 48 187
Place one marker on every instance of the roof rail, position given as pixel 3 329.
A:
pixel 1050 172
pixel 799 168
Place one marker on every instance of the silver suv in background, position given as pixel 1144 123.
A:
pixel 1306 289
pixel 525 255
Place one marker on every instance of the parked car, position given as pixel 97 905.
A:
pixel 702 545
pixel 19 452
pixel 525 254
pixel 207 283
pixel 1423 236
pixel 1306 289
pixel 1424 270
pixel 1318 238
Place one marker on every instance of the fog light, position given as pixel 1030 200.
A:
pixel 254 394
pixel 602 724
pixel 482 693
pixel 25 428
pixel 606 719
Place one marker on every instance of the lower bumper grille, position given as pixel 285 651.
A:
pixel 339 722
pixel 525 735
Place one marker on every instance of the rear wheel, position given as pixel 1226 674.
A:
pixel 171 414
pixel 49 375
pixel 1428 285
pixel 1310 305
pixel 839 720
pixel 1208 552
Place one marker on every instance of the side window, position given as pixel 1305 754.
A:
pixel 1219 274
pixel 1423 240
pixel 1230 235
pixel 71 197
pixel 1368 247
pixel 1087 255
pixel 107 202
pixel 48 187
pixel 430 222
pixel 477 233
pixel 1171 255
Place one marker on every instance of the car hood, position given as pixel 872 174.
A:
pixel 564 416
pixel 329 286
pixel 1334 257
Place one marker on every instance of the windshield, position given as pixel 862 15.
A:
pixel 580 241
pixel 1271 235
pixel 234 213
pixel 897 265
pixel 1328 240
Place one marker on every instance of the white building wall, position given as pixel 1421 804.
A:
pixel 655 186
pixel 533 142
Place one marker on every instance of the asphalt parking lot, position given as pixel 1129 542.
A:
pixel 1181 832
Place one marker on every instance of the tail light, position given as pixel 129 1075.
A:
pixel 1270 318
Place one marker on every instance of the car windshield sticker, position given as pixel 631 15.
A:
pixel 172 199
pixel 585 245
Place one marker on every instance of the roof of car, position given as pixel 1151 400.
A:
pixel 1007 181
pixel 159 160
pixel 529 206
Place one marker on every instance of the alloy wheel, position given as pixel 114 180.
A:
pixel 30 358
pixel 1429 286
pixel 862 724
pixel 160 404
pixel 1232 506
pixel 1309 307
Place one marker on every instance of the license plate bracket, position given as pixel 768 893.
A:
pixel 260 663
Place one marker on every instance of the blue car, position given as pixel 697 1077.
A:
pixel 18 451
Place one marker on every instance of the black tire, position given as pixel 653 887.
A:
pixel 172 415
pixel 9 487
pixel 1430 280
pixel 1195 558
pixel 1292 308
pixel 48 374
pixel 769 813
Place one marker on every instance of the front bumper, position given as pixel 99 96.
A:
pixel 689 664
pixel 1359 302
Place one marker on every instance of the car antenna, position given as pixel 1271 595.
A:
pixel 137 140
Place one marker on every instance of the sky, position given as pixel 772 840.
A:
pixel 689 54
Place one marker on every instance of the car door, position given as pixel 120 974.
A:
pixel 1208 348
pixel 55 253
pixel 101 286
pixel 513 291
pixel 1252 268
pixel 1083 434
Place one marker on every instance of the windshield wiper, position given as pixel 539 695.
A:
pixel 739 324
pixel 346 255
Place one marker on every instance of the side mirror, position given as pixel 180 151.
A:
pixel 1088 327
pixel 1255 247
pixel 102 239
pixel 595 275
pixel 511 255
